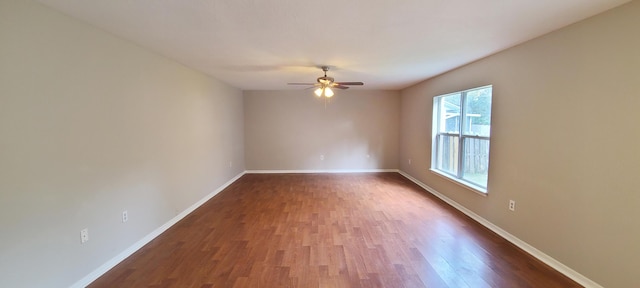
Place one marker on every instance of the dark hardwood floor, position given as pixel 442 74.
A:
pixel 329 230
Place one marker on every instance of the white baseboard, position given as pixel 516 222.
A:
pixel 155 233
pixel 320 171
pixel 555 264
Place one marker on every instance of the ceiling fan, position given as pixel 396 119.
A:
pixel 325 84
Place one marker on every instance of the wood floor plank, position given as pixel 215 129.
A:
pixel 329 230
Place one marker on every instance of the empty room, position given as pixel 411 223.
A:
pixel 319 144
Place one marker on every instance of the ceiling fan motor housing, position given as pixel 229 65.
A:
pixel 325 80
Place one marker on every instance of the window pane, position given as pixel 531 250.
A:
pixel 450 113
pixel 447 159
pixel 476 161
pixel 477 108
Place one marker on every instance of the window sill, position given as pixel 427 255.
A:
pixel 465 184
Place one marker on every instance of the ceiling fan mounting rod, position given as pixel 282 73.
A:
pixel 325 69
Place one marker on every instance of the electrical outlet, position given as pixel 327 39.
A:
pixel 125 216
pixel 512 205
pixel 230 164
pixel 409 161
pixel 84 235
pixel 321 157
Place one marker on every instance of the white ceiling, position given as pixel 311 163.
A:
pixel 256 45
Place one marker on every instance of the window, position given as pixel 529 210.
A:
pixel 461 136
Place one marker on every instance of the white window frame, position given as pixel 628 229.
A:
pixel 458 176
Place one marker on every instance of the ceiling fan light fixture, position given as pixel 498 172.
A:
pixel 318 92
pixel 328 92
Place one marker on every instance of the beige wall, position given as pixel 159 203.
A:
pixel 290 130
pixel 91 125
pixel 565 142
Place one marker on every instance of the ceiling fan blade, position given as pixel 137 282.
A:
pixel 301 83
pixel 340 87
pixel 350 83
